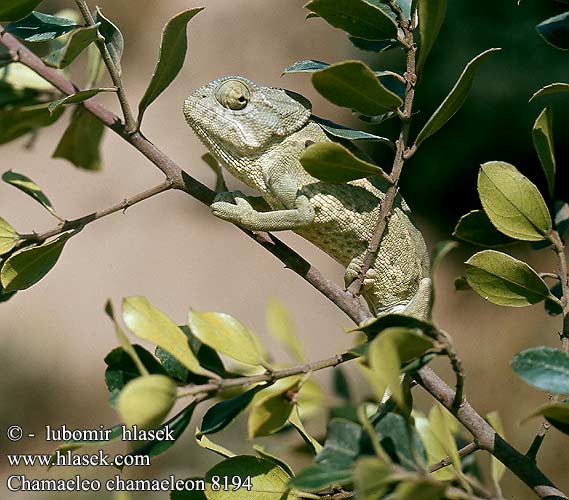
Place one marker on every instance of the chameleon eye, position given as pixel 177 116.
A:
pixel 233 94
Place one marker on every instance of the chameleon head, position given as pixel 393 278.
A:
pixel 241 118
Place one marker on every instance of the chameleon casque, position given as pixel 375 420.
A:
pixel 258 134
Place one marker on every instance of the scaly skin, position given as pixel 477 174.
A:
pixel 258 134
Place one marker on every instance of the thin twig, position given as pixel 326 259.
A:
pixel 216 386
pixel 81 222
pixel 564 279
pixel 525 469
pixel 463 452
pixel 399 160
pixel 537 442
pixel 114 72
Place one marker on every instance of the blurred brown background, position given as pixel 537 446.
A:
pixel 170 249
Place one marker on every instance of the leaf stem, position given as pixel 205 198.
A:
pixel 130 122
pixel 463 452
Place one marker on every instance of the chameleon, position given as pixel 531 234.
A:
pixel 258 134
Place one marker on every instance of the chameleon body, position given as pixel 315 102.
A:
pixel 258 134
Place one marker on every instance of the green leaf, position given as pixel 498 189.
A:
pixel 207 444
pixel 439 420
pixel 121 367
pixel 552 88
pixel 475 228
pixel 545 368
pixel 340 384
pixel 84 129
pixel 370 476
pixel 281 327
pixel 38 27
pixel 17 121
pixel 78 97
pixel 77 42
pixel 146 400
pixel 555 30
pixel 171 59
pixel 455 99
pixel 557 414
pixel 12 10
pixel 268 480
pixel 273 458
pixel 305 66
pixel 8 237
pixel 354 85
pixel 512 202
pixel 461 284
pixel 220 415
pixel 349 134
pixel 431 16
pixel 356 17
pixel 21 78
pixel 225 334
pixel 497 468
pixel 296 422
pixel 334 163
pixel 389 351
pixel 272 408
pixel 542 135
pixel 149 323
pixel 378 325
pixel 441 250
pixel 26 267
pixel 503 280
pixel 420 489
pixel 433 447
pixel 334 463
pixel 114 40
pixel 176 426
pixel 26 185
pixel 373 46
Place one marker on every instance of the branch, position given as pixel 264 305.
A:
pixel 517 463
pixel 81 222
pixel 564 278
pixel 114 72
pixel 488 439
pixel 463 452
pixel 399 160
pixel 216 386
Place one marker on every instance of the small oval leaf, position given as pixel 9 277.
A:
pixel 305 66
pixel 512 202
pixel 8 237
pixel 356 17
pixel 26 267
pixel 173 50
pixel 149 323
pixel 332 162
pixel 431 16
pixel 13 10
pixel 145 401
pixel 268 480
pixel 503 280
pixel 455 99
pixel 225 334
pixel 475 228
pixel 38 27
pixel 114 40
pixel 552 88
pixel 352 84
pixel 542 135
pixel 557 414
pixel 77 97
pixel 341 132
pixel 26 185
pixel 77 42
pixel 555 31
pixel 543 367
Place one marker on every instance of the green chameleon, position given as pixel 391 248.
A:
pixel 258 134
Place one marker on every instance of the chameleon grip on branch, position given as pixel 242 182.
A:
pixel 258 134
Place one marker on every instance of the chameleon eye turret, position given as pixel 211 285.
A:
pixel 233 94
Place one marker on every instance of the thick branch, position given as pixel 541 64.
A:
pixel 529 473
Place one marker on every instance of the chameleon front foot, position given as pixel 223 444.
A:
pixel 232 207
